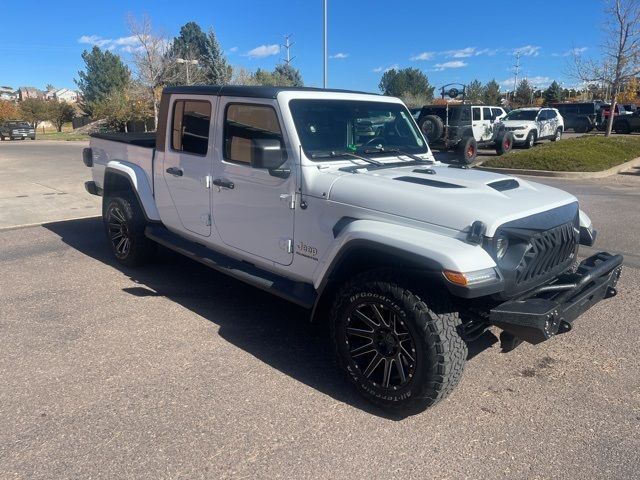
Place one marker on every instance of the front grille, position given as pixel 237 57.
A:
pixel 547 251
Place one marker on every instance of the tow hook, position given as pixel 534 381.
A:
pixel 611 292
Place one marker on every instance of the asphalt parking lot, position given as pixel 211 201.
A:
pixel 175 371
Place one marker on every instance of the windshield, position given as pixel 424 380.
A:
pixel 521 115
pixel 335 126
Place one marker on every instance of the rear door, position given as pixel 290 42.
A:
pixel 544 129
pixel 188 160
pixel 487 124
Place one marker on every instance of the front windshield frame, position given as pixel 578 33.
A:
pixel 521 115
pixel 328 112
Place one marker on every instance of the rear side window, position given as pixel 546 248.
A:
pixel 487 113
pixel 244 123
pixel 476 113
pixel 190 126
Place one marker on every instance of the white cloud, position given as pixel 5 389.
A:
pixel 446 65
pixel 538 81
pixel 233 49
pixel 423 56
pixel 339 55
pixel 462 53
pixel 528 51
pixel 125 44
pixel 264 51
pixel 395 66
pixel 569 53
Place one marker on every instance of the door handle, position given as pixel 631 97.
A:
pixel 175 171
pixel 219 182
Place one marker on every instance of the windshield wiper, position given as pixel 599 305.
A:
pixel 346 154
pixel 398 153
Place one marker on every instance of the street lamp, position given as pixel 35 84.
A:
pixel 324 81
pixel 187 63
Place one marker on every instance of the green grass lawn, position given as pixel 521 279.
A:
pixel 583 154
pixel 69 136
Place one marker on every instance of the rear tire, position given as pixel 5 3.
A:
pixel 401 351
pixel 504 143
pixel 467 150
pixel 557 136
pixel 124 224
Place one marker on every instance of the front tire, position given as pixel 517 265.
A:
pixel 530 140
pixel 124 224
pixel 401 351
pixel 504 143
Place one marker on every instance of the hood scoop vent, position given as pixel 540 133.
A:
pixel 503 185
pixel 428 182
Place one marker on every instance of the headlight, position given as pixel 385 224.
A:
pixel 465 279
pixel 502 243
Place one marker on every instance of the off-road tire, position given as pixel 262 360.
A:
pixel 504 143
pixel 467 150
pixel 432 127
pixel 530 141
pixel 432 323
pixel 557 136
pixel 124 221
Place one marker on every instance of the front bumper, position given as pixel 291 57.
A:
pixel 551 309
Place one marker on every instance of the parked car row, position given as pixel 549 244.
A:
pixel 465 128
pixel 16 131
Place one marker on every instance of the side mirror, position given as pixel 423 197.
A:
pixel 267 153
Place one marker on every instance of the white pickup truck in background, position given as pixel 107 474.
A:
pixel 333 200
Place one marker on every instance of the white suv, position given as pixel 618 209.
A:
pixel 532 124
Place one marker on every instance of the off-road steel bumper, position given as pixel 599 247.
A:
pixel 551 309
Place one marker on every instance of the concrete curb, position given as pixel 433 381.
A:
pixel 547 173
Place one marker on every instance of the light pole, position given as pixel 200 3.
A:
pixel 187 63
pixel 324 82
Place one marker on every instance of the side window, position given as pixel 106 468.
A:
pixel 551 114
pixel 464 114
pixel 476 113
pixel 486 112
pixel 243 124
pixel 543 115
pixel 496 112
pixel 190 126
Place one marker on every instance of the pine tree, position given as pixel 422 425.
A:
pixel 554 93
pixel 524 93
pixel 104 73
pixel 216 69
pixel 491 93
pixel 474 91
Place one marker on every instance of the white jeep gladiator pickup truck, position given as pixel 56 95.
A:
pixel 333 200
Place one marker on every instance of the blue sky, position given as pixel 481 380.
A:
pixel 449 41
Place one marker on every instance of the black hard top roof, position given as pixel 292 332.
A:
pixel 247 91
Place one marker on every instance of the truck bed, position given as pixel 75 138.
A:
pixel 145 140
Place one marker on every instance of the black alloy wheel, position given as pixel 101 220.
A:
pixel 381 346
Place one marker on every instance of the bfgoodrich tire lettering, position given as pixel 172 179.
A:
pixel 420 332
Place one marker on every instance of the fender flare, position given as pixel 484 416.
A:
pixel 137 178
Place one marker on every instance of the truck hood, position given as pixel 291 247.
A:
pixel 449 197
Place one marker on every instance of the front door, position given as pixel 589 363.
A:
pixel 187 161
pixel 544 124
pixel 253 208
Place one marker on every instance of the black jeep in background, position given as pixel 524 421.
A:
pixel 580 117
pixel 16 130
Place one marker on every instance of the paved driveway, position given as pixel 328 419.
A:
pixel 175 371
